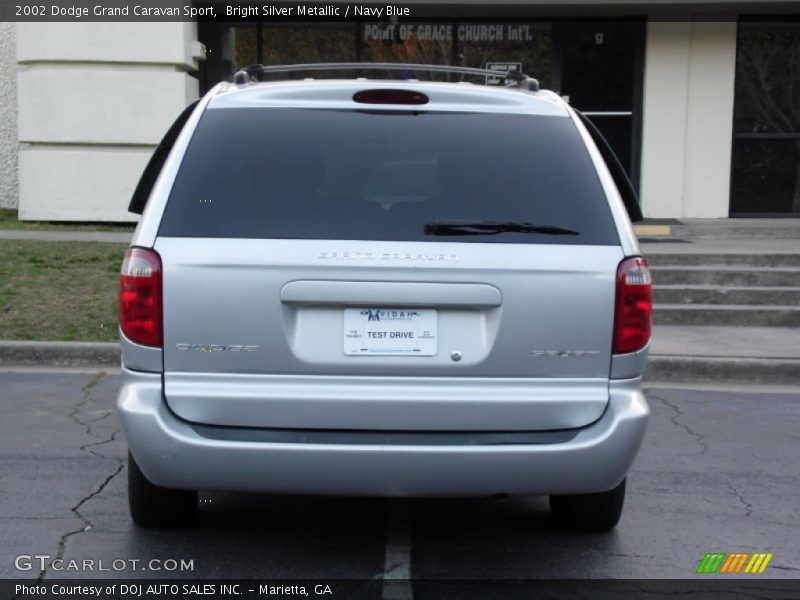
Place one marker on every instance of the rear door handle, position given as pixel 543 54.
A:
pixel 391 293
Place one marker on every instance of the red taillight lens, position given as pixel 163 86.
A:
pixel 140 297
pixel 390 97
pixel 633 319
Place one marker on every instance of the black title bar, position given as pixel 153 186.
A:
pixel 340 589
pixel 279 10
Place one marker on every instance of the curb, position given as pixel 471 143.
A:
pixel 705 369
pixel 108 237
pixel 662 368
pixel 59 354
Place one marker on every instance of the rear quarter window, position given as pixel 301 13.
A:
pixel 381 175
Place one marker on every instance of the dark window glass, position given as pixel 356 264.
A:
pixel 768 78
pixel 246 45
pixel 766 142
pixel 765 176
pixel 598 61
pixel 157 160
pixel 529 44
pixel 617 130
pixel 601 75
pixel 477 45
pixel 284 45
pixel 424 43
pixel 309 44
pixel 621 179
pixel 325 174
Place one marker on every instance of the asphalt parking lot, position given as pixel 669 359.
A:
pixel 719 472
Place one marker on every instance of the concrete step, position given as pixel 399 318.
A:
pixel 725 354
pixel 743 229
pixel 730 259
pixel 704 369
pixel 723 275
pixel 727 315
pixel 726 342
pixel 710 294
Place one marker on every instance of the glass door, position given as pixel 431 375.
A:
pixel 599 70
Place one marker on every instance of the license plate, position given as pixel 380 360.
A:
pixel 390 331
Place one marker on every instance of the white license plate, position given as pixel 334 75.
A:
pixel 390 331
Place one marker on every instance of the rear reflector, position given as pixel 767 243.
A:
pixel 140 297
pixel 390 97
pixel 633 319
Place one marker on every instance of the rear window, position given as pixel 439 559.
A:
pixel 378 175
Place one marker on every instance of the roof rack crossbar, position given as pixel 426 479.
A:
pixel 246 74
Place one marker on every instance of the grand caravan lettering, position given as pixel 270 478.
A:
pixel 389 256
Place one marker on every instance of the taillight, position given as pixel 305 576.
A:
pixel 633 319
pixel 140 297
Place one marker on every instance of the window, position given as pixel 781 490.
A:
pixel 427 43
pixel 529 44
pixel 309 44
pixel 376 175
pixel 275 44
pixel 766 124
pixel 440 43
pixel 157 160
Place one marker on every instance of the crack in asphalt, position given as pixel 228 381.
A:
pixel 625 555
pixel 100 443
pixel 748 508
pixel 87 424
pixel 87 524
pixel 700 439
pixel 88 447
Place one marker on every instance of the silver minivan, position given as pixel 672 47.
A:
pixel 383 287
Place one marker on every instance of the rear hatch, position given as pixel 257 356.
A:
pixel 303 290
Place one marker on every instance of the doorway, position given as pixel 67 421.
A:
pixel 599 68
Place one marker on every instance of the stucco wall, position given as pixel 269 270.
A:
pixel 8 117
pixel 94 100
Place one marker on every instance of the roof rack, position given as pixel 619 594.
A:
pixel 249 74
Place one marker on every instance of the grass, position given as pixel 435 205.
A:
pixel 64 291
pixel 10 220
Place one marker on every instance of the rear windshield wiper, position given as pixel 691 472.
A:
pixel 448 227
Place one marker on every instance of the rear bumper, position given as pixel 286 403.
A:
pixel 172 453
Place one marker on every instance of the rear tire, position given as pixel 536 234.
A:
pixel 589 512
pixel 154 506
